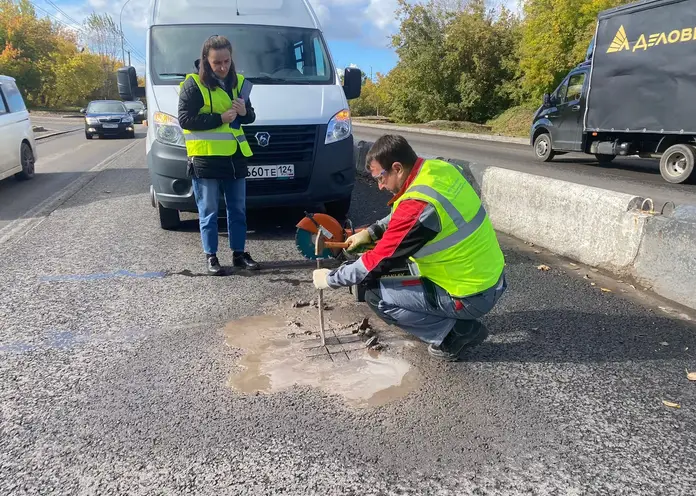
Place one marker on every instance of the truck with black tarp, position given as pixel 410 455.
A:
pixel 635 94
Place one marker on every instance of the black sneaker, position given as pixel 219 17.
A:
pixel 465 334
pixel 214 268
pixel 244 261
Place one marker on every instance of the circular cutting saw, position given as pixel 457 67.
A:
pixel 334 234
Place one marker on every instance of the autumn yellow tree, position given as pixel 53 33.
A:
pixel 51 68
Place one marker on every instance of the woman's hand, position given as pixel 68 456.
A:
pixel 240 107
pixel 229 116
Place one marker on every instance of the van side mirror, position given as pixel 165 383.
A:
pixel 83 110
pixel 127 81
pixel 547 100
pixel 352 82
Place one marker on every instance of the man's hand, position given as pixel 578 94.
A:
pixel 321 278
pixel 239 107
pixel 229 116
pixel 358 239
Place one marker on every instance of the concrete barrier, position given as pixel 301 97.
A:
pixel 597 227
pixel 666 260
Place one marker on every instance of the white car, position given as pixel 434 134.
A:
pixel 17 144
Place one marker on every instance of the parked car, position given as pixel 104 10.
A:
pixel 137 110
pixel 17 145
pixel 108 118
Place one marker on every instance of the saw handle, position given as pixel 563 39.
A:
pixel 335 244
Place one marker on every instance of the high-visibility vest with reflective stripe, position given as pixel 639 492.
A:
pixel 222 140
pixel 465 257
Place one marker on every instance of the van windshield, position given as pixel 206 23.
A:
pixel 262 54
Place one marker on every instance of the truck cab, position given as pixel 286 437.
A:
pixel 558 126
pixel 302 139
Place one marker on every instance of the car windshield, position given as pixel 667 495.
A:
pixel 134 105
pixel 106 108
pixel 262 54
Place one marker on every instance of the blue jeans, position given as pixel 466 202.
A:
pixel 207 193
pixel 398 302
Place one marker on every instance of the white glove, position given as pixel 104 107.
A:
pixel 321 278
pixel 358 239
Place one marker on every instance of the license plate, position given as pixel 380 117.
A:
pixel 272 171
pixel 110 126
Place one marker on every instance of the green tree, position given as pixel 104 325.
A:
pixel 555 37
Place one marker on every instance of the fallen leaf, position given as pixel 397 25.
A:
pixel 670 404
pixel 544 267
pixel 606 290
pixel 691 375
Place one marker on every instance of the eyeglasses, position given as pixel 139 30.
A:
pixel 380 177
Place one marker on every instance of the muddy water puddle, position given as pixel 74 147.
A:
pixel 284 351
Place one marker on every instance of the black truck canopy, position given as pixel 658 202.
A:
pixel 643 75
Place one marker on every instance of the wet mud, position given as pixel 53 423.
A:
pixel 366 369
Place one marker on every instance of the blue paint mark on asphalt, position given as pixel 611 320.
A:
pixel 111 275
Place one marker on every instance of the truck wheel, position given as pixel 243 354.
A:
pixel 604 159
pixel 542 148
pixel 169 218
pixel 677 163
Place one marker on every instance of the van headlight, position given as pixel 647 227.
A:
pixel 339 127
pixel 168 130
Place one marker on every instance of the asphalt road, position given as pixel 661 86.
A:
pixel 628 175
pixel 117 371
pixel 62 159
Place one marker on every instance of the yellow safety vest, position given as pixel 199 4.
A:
pixel 465 257
pixel 222 140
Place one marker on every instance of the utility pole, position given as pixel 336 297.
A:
pixel 120 24
pixel 129 62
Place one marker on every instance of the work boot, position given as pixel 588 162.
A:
pixel 244 261
pixel 214 268
pixel 464 334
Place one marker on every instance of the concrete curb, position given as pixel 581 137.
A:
pixel 57 133
pixel 452 134
pixel 597 227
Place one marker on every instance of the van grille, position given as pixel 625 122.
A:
pixel 286 145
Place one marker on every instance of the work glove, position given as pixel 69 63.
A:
pixel 358 239
pixel 321 278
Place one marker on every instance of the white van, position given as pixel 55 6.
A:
pixel 302 138
pixel 17 144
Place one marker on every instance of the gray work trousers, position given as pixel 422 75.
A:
pixel 426 310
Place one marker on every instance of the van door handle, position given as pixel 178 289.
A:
pixel 575 108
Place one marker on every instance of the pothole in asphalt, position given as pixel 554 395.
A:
pixel 359 362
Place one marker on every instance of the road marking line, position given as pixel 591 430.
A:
pixel 34 217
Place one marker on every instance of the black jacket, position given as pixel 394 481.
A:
pixel 218 167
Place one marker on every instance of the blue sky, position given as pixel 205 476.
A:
pixel 358 31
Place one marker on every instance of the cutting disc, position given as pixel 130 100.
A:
pixel 304 240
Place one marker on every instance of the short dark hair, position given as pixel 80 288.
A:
pixel 205 72
pixel 390 148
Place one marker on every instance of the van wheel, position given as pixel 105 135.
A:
pixel 27 162
pixel 677 164
pixel 338 209
pixel 604 159
pixel 168 217
pixel 543 150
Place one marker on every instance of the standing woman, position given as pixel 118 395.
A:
pixel 217 151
